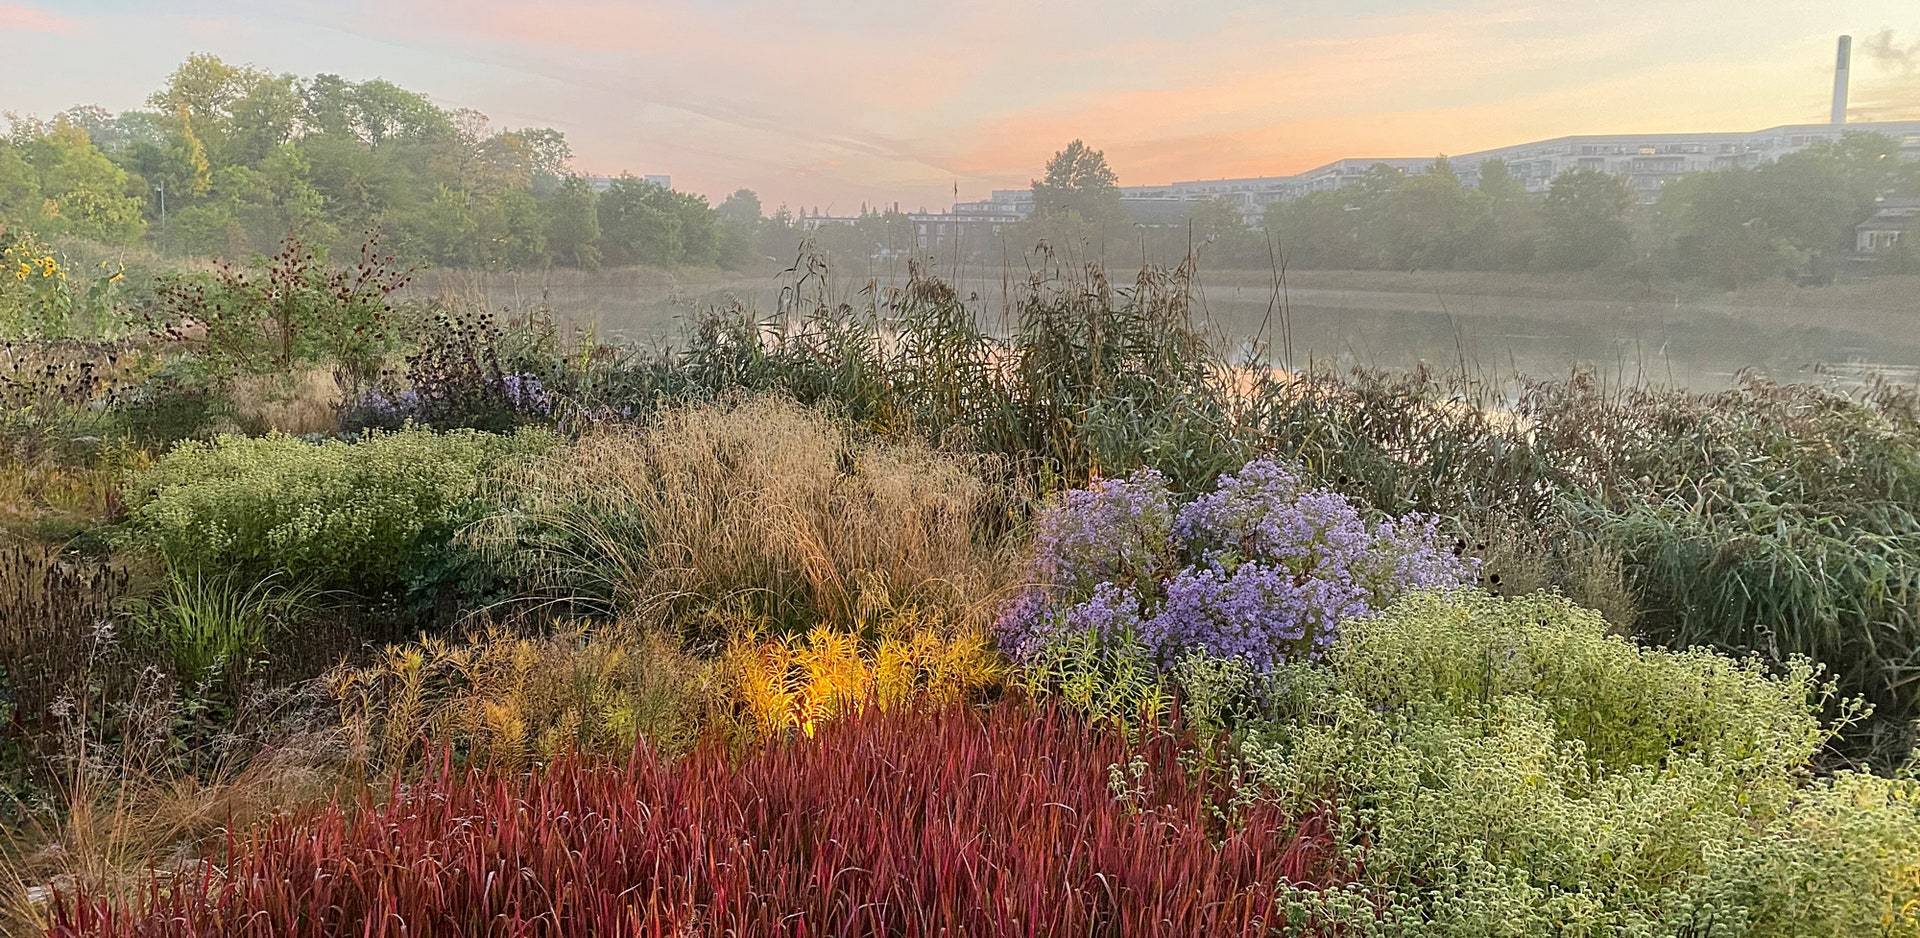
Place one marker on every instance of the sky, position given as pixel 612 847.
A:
pixel 832 104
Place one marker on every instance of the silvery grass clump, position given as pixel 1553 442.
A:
pixel 1262 569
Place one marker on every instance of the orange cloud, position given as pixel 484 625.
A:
pixel 31 20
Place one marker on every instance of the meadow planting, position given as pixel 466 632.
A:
pixel 357 615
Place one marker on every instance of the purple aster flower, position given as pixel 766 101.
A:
pixel 1263 568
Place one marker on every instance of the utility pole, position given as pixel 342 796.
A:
pixel 162 189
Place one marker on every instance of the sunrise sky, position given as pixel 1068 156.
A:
pixel 831 103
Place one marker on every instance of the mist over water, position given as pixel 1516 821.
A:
pixel 1355 319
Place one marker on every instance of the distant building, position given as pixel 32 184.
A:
pixel 1646 161
pixel 1894 221
pixel 968 225
pixel 603 183
pixel 815 219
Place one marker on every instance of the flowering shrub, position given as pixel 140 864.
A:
pixel 42 295
pixel 469 371
pixel 1262 568
pixel 1008 822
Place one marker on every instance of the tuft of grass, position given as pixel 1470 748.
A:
pixel 765 505
pixel 507 701
pixel 212 625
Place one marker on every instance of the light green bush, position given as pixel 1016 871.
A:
pixel 369 517
pixel 1625 704
pixel 1844 861
pixel 1506 767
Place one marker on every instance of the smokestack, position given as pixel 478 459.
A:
pixel 1841 63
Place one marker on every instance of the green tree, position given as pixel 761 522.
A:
pixel 1719 228
pixel 573 224
pixel 1079 185
pixel 383 113
pixel 1432 220
pixel 264 118
pixel 1221 234
pixel 699 233
pixel 741 210
pixel 639 223
pixel 19 186
pixel 1585 220
pixel 202 94
pixel 1507 230
pixel 83 193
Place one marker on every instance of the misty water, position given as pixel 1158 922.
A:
pixel 1701 342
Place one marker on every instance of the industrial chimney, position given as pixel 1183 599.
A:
pixel 1841 63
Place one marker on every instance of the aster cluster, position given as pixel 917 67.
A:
pixel 527 395
pixel 1262 569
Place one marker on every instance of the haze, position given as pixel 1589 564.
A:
pixel 838 104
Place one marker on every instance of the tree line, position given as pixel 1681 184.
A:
pixel 1793 217
pixel 228 160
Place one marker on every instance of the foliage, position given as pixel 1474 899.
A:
pixel 213 626
pixel 289 311
pixel 463 374
pixel 1767 518
pixel 1794 216
pixel 228 160
pixel 1094 377
pixel 1624 704
pixel 505 700
pixel 53 180
pixel 39 295
pixel 58 617
pixel 370 517
pixel 1842 862
pixel 1504 766
pixel 1263 568
pixel 766 504
pixel 1433 220
pixel 1007 822
pixel 1585 219
pixel 769 688
pixel 1078 186
pixel 54 393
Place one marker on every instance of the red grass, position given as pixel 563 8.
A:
pixel 897 824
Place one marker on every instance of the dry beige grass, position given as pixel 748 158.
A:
pixel 114 828
pixel 301 403
pixel 765 503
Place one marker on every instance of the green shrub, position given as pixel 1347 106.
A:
pixel 1774 519
pixel 1844 861
pixel 285 312
pixel 371 517
pixel 1507 767
pixel 1625 705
